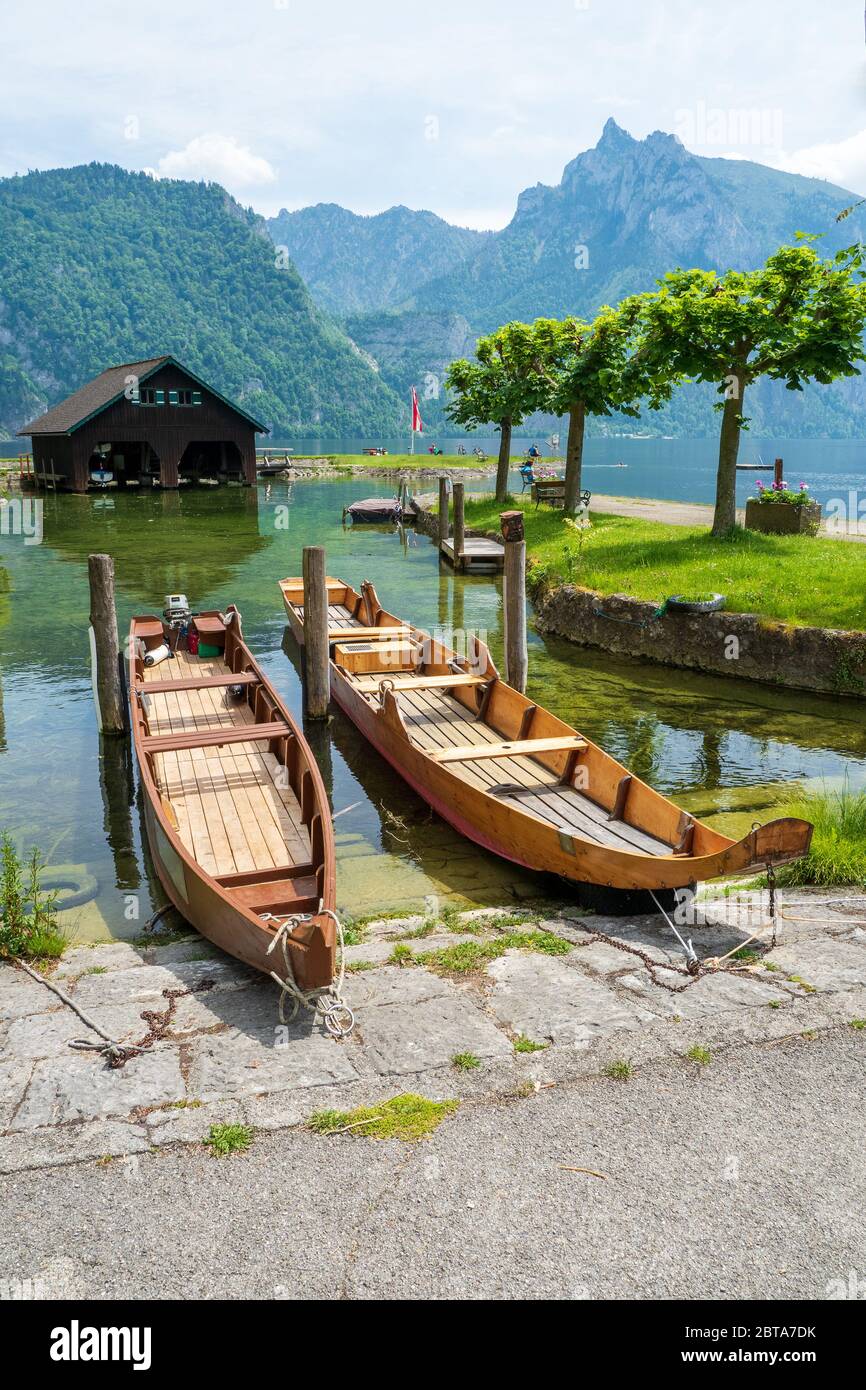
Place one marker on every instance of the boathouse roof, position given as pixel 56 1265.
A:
pixel 96 395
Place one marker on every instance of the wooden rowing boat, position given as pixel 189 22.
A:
pixel 507 773
pixel 374 509
pixel 236 811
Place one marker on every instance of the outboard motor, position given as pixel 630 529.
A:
pixel 177 612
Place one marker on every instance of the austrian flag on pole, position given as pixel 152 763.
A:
pixel 417 422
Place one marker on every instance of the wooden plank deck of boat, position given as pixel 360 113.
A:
pixel 233 813
pixel 436 721
pixel 338 615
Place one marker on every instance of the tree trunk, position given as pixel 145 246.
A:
pixel 725 516
pixel 504 460
pixel 574 457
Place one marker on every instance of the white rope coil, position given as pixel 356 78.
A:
pixel 327 1000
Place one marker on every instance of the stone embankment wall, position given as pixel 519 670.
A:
pixel 728 644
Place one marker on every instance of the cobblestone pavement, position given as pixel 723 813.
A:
pixel 227 1058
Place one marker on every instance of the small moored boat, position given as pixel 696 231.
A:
pixel 237 814
pixel 374 509
pixel 507 773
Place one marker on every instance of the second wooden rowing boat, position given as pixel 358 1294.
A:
pixel 507 773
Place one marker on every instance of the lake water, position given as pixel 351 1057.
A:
pixel 726 749
pixel 681 470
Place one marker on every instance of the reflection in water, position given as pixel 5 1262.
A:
pixel 725 749
pixel 118 802
pixel 392 851
pixel 192 542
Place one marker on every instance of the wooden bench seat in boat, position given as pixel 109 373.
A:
pixel 526 747
pixel 277 894
pixel 370 685
pixel 197 683
pixel 361 633
pixel 215 738
pixel 211 629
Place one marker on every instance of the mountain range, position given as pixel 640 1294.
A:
pixel 320 321
pixel 622 215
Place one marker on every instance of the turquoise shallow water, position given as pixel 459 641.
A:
pixel 727 749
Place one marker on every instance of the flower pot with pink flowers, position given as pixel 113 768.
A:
pixel 783 511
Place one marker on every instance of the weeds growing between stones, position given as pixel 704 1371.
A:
pixel 228 1139
pixel 408 1117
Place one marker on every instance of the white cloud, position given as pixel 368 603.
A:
pixel 351 128
pixel 218 159
pixel 842 163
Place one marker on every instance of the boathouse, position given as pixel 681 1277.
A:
pixel 144 423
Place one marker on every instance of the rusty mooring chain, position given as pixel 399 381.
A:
pixel 693 969
pixel 771 888
pixel 159 1023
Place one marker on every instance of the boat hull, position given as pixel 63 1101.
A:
pixel 653 846
pixel 471 813
pixel 238 933
pixel 232 910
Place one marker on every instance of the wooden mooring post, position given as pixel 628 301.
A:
pixel 104 649
pixel 442 535
pixel 459 526
pixel 514 600
pixel 779 472
pixel 316 655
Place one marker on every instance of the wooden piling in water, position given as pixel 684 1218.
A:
pixel 316 667
pixel 459 525
pixel 779 472
pixel 514 601
pixel 443 512
pixel 105 651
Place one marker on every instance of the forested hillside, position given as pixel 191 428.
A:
pixel 100 266
pixel 355 264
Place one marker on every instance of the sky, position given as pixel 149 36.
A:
pixel 455 106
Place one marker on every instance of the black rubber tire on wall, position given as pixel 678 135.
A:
pixel 682 605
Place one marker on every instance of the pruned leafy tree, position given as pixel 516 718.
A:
pixel 797 318
pixel 579 369
pixel 492 391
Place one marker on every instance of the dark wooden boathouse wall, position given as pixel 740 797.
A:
pixel 166 429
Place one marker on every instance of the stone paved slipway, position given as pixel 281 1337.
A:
pixel 227 1059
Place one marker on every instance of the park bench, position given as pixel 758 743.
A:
pixel 552 491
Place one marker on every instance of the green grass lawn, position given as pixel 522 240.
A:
pixel 799 580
